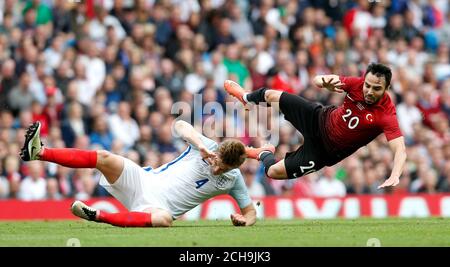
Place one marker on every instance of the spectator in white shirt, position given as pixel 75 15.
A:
pixel 328 185
pixel 86 90
pixel 95 69
pixel 53 54
pixel 123 126
pixel 33 187
pixel 195 81
pixel 264 58
pixel 99 25
pixel 186 8
pixel 408 114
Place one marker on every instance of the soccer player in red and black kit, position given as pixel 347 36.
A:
pixel 332 133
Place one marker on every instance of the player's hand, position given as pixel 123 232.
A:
pixel 238 219
pixel 392 181
pixel 207 155
pixel 334 86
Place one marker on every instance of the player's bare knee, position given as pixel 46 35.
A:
pixel 167 222
pixel 272 96
pixel 275 173
pixel 161 219
pixel 103 155
pixel 272 172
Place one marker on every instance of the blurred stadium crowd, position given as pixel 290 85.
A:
pixel 105 76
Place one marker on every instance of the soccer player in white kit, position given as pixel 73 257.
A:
pixel 156 197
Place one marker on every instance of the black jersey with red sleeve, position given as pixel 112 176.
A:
pixel 354 123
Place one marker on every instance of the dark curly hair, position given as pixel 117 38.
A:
pixel 380 70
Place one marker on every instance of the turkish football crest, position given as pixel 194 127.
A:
pixel 369 117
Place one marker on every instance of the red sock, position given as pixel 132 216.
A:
pixel 126 219
pixel 70 157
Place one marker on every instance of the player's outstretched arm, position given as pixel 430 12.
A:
pixel 398 147
pixel 247 218
pixel 189 134
pixel 330 82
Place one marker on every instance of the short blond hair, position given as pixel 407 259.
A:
pixel 232 153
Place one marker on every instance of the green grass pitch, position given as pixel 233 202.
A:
pixel 266 233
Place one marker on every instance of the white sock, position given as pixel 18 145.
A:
pixel 245 97
pixel 262 152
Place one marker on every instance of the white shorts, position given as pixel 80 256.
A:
pixel 135 188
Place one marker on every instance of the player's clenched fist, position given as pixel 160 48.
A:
pixel 238 219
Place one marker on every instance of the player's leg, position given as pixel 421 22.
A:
pixel 266 155
pixel 160 217
pixel 276 170
pixel 306 159
pixel 264 95
pixel 302 113
pixel 261 95
pixel 122 219
pixel 135 189
pixel 273 169
pixel 150 217
pixel 109 164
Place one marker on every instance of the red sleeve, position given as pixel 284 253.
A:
pixel 350 82
pixel 390 127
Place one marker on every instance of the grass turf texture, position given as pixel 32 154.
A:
pixel 266 233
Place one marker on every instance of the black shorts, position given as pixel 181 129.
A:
pixel 304 116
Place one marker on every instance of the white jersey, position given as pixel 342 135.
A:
pixel 187 181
